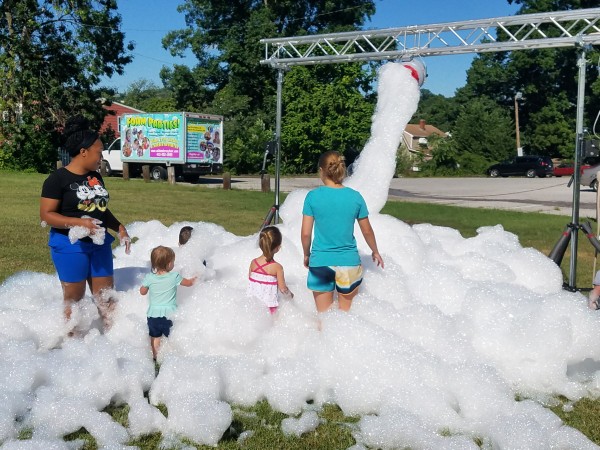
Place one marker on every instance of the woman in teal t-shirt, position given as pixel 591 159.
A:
pixel 333 262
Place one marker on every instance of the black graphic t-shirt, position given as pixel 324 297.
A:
pixel 79 195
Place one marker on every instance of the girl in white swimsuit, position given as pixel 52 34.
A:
pixel 265 275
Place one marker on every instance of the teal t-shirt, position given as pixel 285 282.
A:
pixel 334 210
pixel 162 292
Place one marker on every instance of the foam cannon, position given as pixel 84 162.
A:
pixel 418 70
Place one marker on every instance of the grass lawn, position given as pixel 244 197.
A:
pixel 23 247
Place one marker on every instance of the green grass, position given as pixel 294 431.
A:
pixel 265 424
pixel 23 247
pixel 23 241
pixel 584 417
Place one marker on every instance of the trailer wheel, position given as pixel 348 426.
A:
pixel 158 173
pixel 107 168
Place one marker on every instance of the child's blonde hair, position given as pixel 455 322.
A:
pixel 269 239
pixel 161 257
pixel 333 166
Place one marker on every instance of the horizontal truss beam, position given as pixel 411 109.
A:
pixel 521 32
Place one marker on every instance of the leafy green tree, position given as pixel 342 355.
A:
pixel 224 36
pixel 547 79
pixel 145 95
pixel 325 110
pixel 551 128
pixel 483 128
pixel 444 156
pixel 437 110
pixel 53 54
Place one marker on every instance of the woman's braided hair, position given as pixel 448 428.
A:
pixel 77 135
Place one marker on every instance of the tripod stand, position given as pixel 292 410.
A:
pixel 269 217
pixel 560 247
pixel 570 233
pixel 270 149
pixel 274 148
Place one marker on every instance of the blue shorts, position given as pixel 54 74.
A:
pixel 343 279
pixel 159 326
pixel 81 260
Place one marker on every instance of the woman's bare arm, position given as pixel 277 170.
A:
pixel 306 236
pixel 369 235
pixel 49 213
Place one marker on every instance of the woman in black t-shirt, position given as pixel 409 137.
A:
pixel 75 196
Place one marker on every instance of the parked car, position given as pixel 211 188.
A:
pixel 588 177
pixel 529 166
pixel 566 169
pixel 111 156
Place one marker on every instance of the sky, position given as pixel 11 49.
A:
pixel 146 22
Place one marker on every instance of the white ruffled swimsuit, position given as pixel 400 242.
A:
pixel 263 286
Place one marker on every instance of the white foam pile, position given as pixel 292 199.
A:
pixel 433 354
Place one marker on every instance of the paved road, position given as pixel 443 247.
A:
pixel 550 195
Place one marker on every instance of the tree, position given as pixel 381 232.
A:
pixel 145 95
pixel 52 56
pixel 325 110
pixel 437 110
pixel 485 129
pixel 547 79
pixel 224 36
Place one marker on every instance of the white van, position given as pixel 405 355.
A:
pixel 111 156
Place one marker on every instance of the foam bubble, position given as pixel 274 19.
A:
pixel 307 422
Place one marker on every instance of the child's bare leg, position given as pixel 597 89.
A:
pixel 323 300
pixel 155 344
pixel 345 300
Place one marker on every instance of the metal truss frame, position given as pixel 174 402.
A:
pixel 579 28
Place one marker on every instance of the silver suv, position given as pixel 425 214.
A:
pixel 588 177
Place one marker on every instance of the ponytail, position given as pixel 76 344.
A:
pixel 333 166
pixel 269 239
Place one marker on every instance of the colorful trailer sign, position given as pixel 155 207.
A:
pixel 191 142
pixel 204 140
pixel 152 137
